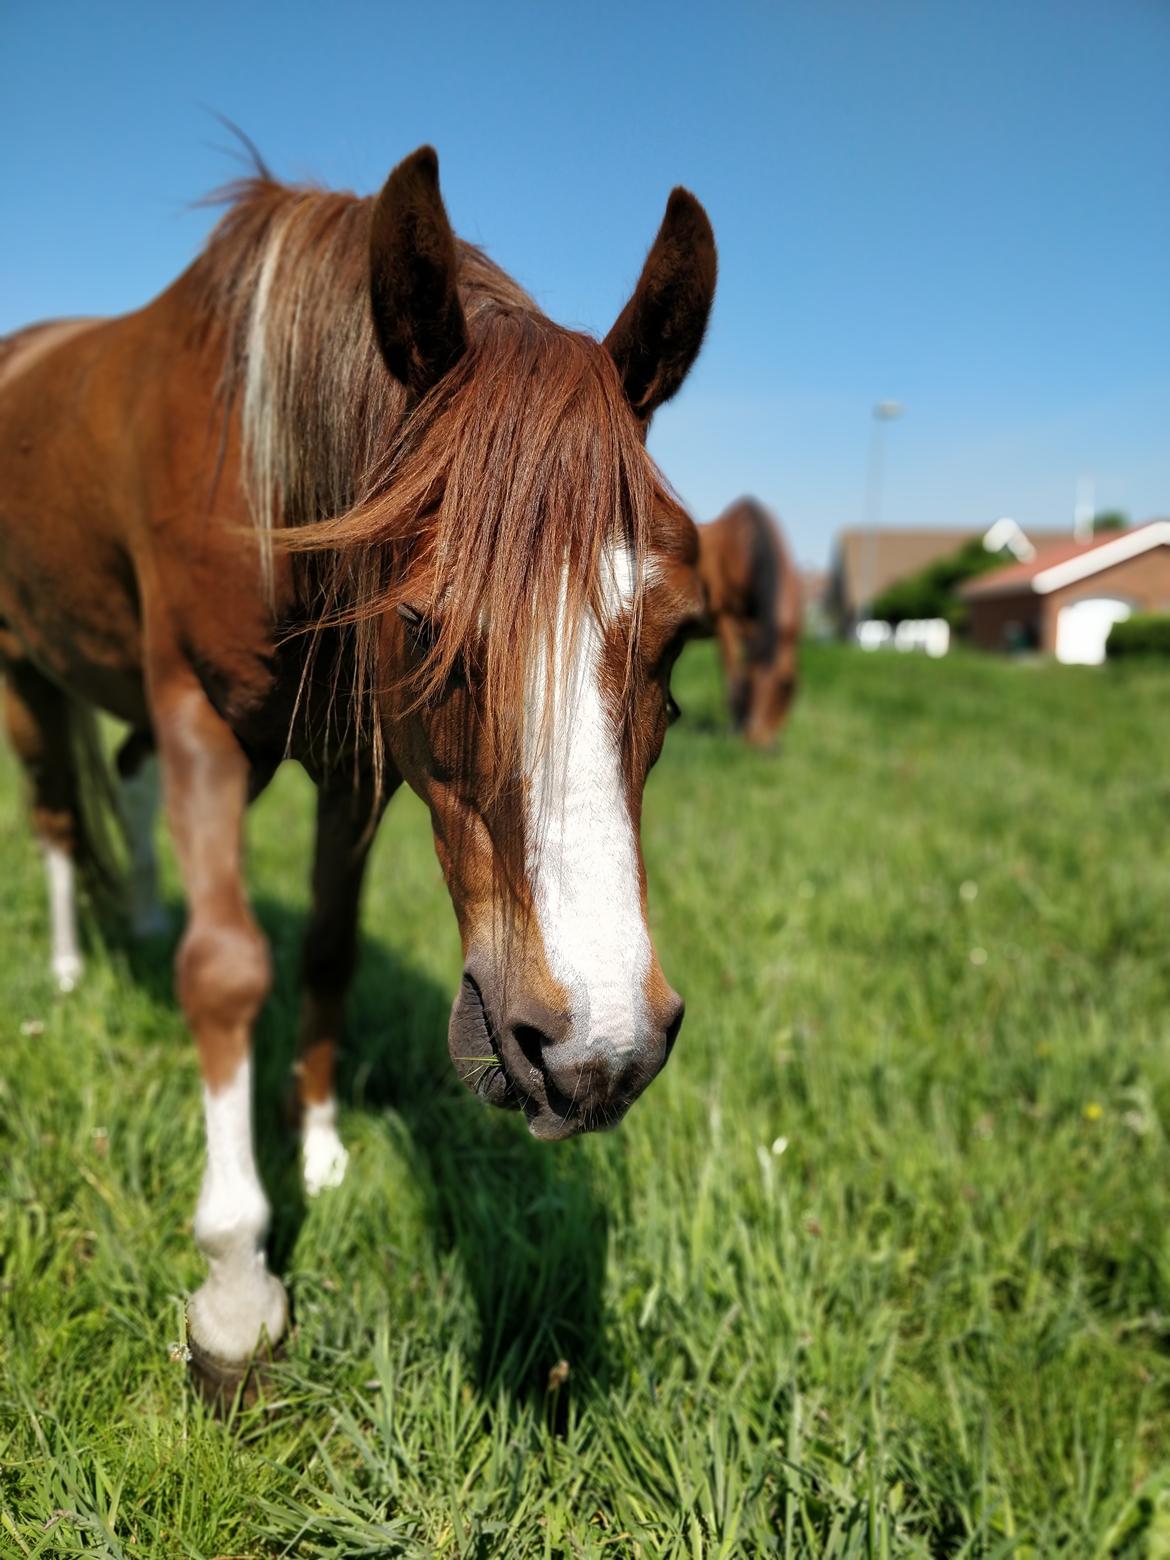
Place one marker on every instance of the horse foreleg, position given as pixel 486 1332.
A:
pixel 223 977
pixel 346 820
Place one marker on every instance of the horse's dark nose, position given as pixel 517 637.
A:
pixel 583 1077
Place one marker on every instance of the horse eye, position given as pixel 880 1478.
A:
pixel 420 628
pixel 673 712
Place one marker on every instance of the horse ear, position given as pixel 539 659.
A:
pixel 413 268
pixel 659 332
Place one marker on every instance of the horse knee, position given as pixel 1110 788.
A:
pixel 224 973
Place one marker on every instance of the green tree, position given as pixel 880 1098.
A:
pixel 1110 520
pixel 931 593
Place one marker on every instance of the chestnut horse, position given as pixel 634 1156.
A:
pixel 343 493
pixel 754 609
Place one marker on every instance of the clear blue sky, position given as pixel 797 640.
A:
pixel 962 204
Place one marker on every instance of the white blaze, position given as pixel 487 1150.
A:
pixel 582 858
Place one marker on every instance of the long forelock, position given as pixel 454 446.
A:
pixel 496 515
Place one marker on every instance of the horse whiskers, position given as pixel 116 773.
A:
pixel 481 1068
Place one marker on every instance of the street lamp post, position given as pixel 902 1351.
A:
pixel 883 413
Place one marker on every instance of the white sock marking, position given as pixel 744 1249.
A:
pixel 65 960
pixel 240 1299
pixel 323 1155
pixel 582 855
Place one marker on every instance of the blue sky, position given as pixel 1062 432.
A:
pixel 965 206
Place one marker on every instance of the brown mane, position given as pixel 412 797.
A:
pixel 489 501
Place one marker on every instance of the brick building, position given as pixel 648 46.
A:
pixel 1064 600
pixel 866 561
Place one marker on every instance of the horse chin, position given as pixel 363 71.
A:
pixel 548 1126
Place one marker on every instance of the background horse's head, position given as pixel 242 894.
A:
pixel 532 615
pixel 753 606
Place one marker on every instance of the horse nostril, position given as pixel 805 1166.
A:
pixel 532 1042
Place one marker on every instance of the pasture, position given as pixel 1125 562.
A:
pixel 879 1266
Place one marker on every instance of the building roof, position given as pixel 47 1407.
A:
pixel 866 561
pixel 1065 563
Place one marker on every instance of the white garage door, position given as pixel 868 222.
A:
pixel 1083 627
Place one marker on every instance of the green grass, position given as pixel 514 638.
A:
pixel 879 1266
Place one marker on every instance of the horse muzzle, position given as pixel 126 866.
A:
pixel 532 1061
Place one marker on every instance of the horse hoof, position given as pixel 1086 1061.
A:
pixel 223 1384
pixel 67 972
pixel 323 1160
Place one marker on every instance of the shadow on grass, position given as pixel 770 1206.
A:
pixel 525 1219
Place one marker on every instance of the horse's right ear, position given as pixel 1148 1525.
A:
pixel 413 267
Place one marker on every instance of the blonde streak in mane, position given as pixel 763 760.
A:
pixel 261 410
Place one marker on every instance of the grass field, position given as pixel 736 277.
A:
pixel 879 1266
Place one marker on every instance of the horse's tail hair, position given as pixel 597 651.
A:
pixel 101 843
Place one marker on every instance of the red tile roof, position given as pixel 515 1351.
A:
pixel 1017 577
pixel 1066 563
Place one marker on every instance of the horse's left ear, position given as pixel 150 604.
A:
pixel 413 275
pixel 659 332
